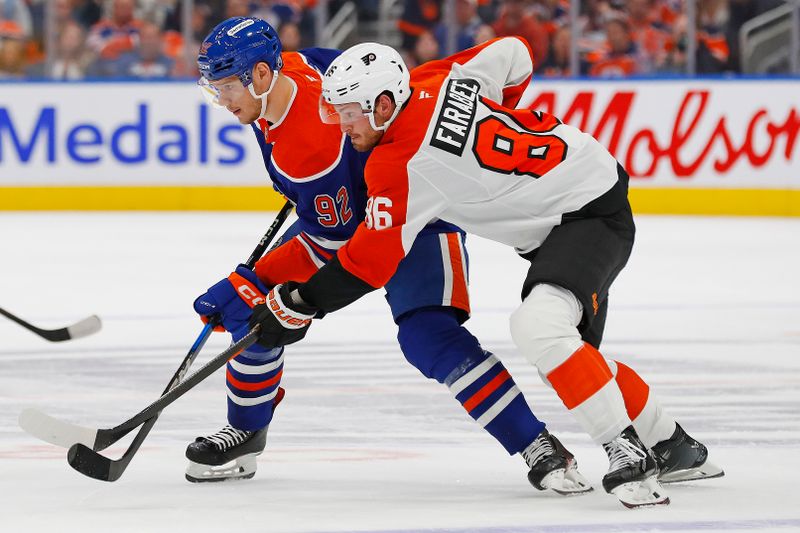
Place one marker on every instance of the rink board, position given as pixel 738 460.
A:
pixel 692 147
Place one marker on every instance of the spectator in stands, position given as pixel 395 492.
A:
pixel 418 17
pixel 653 38
pixel 15 19
pixel 592 20
pixel 713 49
pixel 553 14
pixel 620 59
pixel 468 22
pixel 558 60
pixel 278 12
pixel 147 61
pixel 484 33
pixel 514 20
pixel 71 57
pixel 116 34
pixel 237 8
pixel 63 13
pixel 289 35
pixel 716 38
pixel 12 58
pixel 425 49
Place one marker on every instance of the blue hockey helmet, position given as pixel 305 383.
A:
pixel 234 47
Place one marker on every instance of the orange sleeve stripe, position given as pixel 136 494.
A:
pixel 634 390
pixel 460 294
pixel 486 390
pixel 258 385
pixel 584 373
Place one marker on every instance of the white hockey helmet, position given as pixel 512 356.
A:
pixel 361 74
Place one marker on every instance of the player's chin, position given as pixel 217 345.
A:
pixel 361 144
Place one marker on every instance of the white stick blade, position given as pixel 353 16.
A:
pixel 87 326
pixel 45 427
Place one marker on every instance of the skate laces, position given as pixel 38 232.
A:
pixel 622 452
pixel 538 449
pixel 227 437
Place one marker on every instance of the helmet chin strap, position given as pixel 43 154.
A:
pixel 263 96
pixel 386 124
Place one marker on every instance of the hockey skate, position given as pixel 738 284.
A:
pixel 682 458
pixel 553 467
pixel 228 454
pixel 632 473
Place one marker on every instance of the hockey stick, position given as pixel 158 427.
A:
pixel 90 463
pixel 82 328
pixel 84 458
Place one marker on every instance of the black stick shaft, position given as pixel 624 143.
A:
pixel 179 390
pixel 106 438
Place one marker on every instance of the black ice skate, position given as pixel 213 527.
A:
pixel 228 454
pixel 553 467
pixel 632 472
pixel 682 458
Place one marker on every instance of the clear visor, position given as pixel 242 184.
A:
pixel 219 93
pixel 341 113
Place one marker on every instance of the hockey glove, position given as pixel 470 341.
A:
pixel 233 299
pixel 282 321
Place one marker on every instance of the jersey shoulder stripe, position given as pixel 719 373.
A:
pixel 303 148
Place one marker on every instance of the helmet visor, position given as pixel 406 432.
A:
pixel 341 113
pixel 220 92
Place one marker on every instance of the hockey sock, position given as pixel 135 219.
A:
pixel 585 384
pixel 252 385
pixel 488 393
pixel 435 343
pixel 649 419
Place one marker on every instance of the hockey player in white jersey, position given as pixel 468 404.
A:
pixel 447 142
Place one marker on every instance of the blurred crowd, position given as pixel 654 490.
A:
pixel 615 38
pixel 144 38
pixel 139 39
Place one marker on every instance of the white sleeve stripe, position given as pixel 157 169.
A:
pixel 247 402
pixel 326 243
pixel 498 406
pixel 447 292
pixel 472 376
pixel 310 251
pixel 463 260
pixel 255 369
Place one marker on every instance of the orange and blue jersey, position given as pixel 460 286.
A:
pixel 315 166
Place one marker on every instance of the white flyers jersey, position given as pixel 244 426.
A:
pixel 455 153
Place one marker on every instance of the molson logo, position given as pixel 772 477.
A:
pixel 643 152
pixel 143 139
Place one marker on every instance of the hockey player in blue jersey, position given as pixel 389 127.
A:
pixel 315 166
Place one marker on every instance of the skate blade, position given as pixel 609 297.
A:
pixel 569 483
pixel 705 471
pixel 645 493
pixel 242 468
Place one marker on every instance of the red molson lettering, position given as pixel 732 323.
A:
pixel 690 112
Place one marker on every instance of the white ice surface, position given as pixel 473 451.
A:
pixel 708 311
